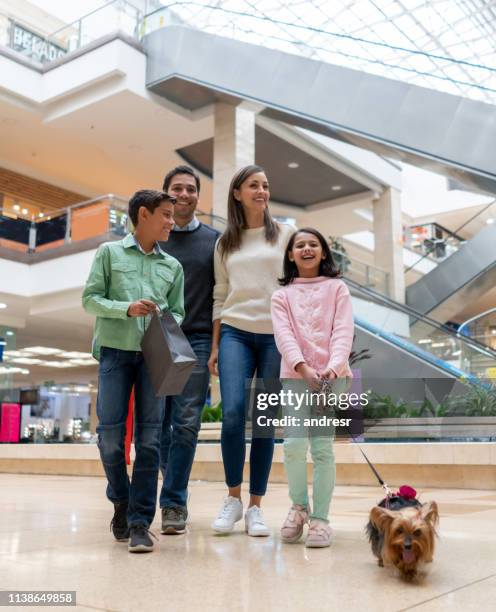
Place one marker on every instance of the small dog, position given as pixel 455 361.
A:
pixel 402 531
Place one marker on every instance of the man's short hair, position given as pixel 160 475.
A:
pixel 181 170
pixel 148 198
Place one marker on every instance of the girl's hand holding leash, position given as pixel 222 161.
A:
pixel 309 375
pixel 328 374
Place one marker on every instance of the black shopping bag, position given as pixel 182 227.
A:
pixel 168 355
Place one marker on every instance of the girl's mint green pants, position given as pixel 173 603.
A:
pixel 324 472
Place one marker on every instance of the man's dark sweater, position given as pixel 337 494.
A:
pixel 195 251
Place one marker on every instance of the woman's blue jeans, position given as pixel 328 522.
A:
pixel 241 354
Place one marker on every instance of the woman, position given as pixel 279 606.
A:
pixel 247 261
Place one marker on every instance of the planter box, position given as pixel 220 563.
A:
pixel 210 432
pixel 431 428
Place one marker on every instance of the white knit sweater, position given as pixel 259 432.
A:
pixel 246 279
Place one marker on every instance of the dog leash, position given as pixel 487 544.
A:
pixel 326 386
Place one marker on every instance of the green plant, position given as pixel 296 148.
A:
pixel 385 407
pixel 478 401
pixel 356 356
pixel 212 414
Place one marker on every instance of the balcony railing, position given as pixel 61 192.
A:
pixel 362 273
pixel 104 217
pixel 99 216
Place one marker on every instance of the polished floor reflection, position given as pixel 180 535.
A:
pixel 54 534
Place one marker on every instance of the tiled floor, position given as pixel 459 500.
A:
pixel 54 534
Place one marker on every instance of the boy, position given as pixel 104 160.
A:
pixel 129 279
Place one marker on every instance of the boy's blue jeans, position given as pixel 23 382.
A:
pixel 118 372
pixel 181 425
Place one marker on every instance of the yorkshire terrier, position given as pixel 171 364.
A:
pixel 402 531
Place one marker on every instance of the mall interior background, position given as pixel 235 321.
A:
pixel 85 120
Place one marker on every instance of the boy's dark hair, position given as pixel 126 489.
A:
pixel 327 266
pixel 148 198
pixel 181 170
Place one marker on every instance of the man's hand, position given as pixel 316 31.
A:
pixel 309 375
pixel 213 362
pixel 141 308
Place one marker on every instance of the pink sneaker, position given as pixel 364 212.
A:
pixel 292 527
pixel 319 534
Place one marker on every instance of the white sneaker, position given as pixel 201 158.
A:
pixel 230 513
pixel 254 522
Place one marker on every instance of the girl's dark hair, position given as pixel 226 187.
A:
pixel 327 266
pixel 236 221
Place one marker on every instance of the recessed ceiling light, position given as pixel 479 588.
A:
pixel 26 360
pixel 9 333
pixel 2 305
pixel 25 211
pixel 16 207
pixel 336 187
pixel 4 370
pixel 13 354
pixel 41 215
pixel 57 364
pixel 84 362
pixel 76 355
pixel 490 221
pixel 42 350
pixel 293 165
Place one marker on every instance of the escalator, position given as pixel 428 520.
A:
pixel 462 277
pixel 406 344
pixel 445 133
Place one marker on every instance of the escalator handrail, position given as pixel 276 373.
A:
pixel 482 348
pixel 415 350
pixel 472 319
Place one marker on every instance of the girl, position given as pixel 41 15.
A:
pixel 313 328
pixel 247 262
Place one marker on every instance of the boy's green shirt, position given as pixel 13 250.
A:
pixel 121 274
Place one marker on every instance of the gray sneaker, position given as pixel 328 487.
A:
pixel 174 520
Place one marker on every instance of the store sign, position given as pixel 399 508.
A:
pixel 33 45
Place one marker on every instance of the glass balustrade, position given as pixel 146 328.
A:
pixel 421 336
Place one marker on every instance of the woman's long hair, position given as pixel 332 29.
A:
pixel 327 265
pixel 236 221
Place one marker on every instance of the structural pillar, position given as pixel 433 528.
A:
pixel 234 147
pixel 388 237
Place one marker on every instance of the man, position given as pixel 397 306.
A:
pixel 129 279
pixel 192 243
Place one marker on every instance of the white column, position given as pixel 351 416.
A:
pixel 388 237
pixel 234 147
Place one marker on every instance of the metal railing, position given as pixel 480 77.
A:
pixel 452 240
pixel 438 344
pixel 362 273
pixel 100 216
pixel 481 327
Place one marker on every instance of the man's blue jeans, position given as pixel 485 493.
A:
pixel 181 425
pixel 118 372
pixel 242 353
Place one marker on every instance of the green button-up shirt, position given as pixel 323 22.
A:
pixel 121 274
